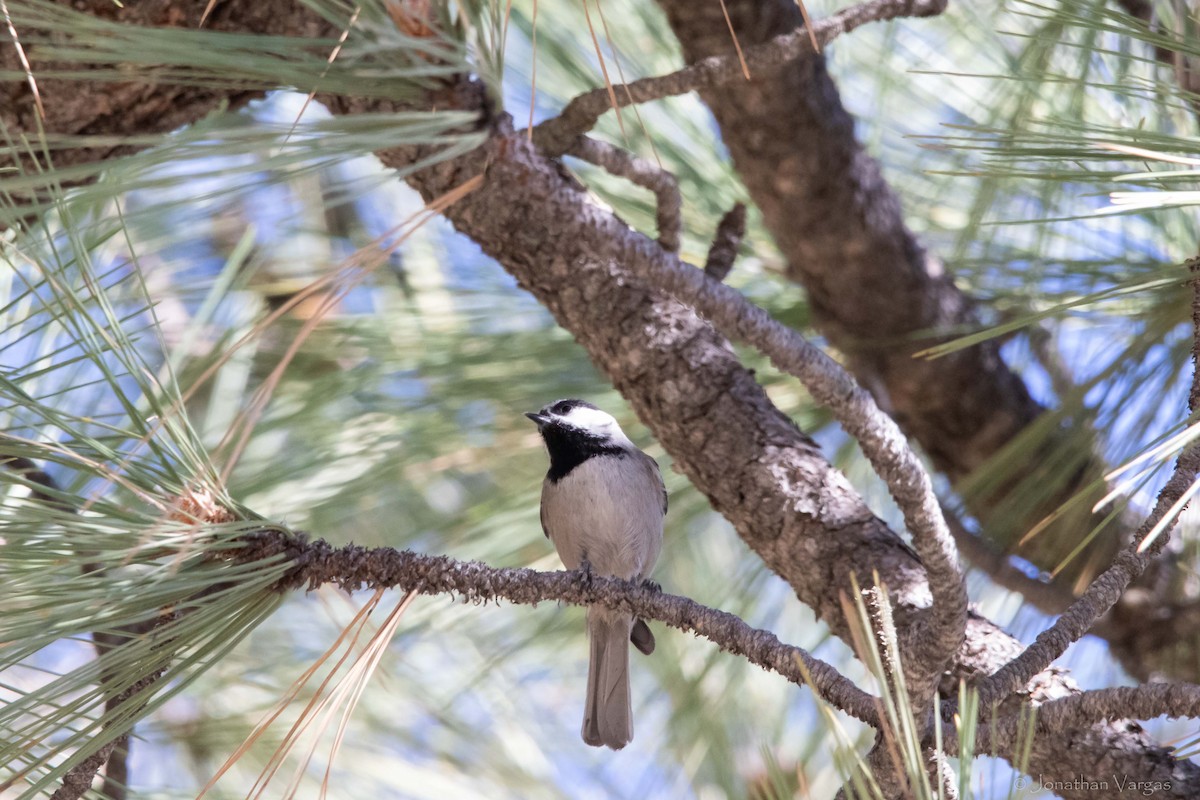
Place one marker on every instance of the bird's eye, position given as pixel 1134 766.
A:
pixel 561 408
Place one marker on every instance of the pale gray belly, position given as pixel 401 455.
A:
pixel 607 512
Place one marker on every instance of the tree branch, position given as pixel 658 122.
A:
pixel 79 778
pixel 556 135
pixel 1102 594
pixel 1080 711
pixel 354 568
pixel 1185 67
pixel 874 291
pixel 668 202
pixel 726 241
pixel 878 296
pixel 881 441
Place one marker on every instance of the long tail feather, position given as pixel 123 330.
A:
pixel 608 711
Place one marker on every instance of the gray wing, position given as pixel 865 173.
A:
pixel 542 515
pixel 655 474
pixel 641 636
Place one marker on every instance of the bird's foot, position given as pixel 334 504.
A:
pixel 585 573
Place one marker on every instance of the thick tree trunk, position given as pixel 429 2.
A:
pixel 875 292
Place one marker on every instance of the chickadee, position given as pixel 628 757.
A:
pixel 603 503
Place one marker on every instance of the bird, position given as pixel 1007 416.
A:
pixel 603 504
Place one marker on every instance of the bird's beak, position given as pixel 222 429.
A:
pixel 538 419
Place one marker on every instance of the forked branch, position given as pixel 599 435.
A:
pixel 668 202
pixel 880 438
pixel 555 136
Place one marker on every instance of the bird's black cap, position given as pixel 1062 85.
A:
pixel 559 408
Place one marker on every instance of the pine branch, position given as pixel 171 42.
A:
pixel 877 294
pixel 79 778
pixel 668 202
pixel 880 438
pixel 353 568
pixel 113 756
pixel 1185 67
pixel 1078 712
pixel 555 136
pixel 1103 593
pixel 726 241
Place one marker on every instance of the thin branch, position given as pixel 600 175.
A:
pixel 1129 564
pixel 726 242
pixel 878 435
pixel 669 203
pixel 555 136
pixel 116 771
pixel 354 568
pixel 940 771
pixel 1193 265
pixel 1124 702
pixel 79 778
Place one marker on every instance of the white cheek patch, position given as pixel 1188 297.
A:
pixel 594 420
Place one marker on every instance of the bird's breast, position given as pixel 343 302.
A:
pixel 605 510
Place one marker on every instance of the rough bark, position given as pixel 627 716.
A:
pixel 874 290
pixel 879 296
pixel 133 107
pixel 770 480
pixel 756 468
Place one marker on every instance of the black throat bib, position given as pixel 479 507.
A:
pixel 570 447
